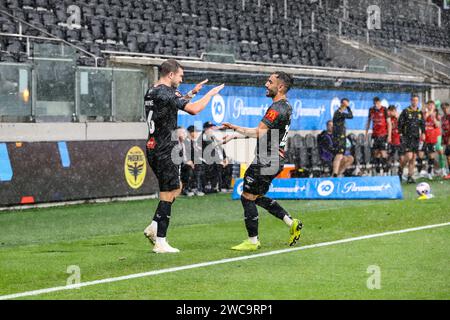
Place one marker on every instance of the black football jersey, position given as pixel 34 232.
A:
pixel 339 128
pixel 278 120
pixel 161 109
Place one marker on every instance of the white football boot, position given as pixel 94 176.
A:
pixel 150 232
pixel 162 246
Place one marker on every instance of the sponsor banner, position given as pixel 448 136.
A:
pixel 331 188
pixel 39 172
pixel 246 106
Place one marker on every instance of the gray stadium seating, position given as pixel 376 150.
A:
pixel 188 27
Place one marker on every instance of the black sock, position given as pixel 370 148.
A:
pixel 272 206
pixel 251 216
pixel 430 165
pixel 162 217
pixel 419 165
pixel 385 164
pixel 334 175
pixel 376 163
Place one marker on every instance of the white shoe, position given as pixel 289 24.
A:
pixel 423 174
pixel 150 232
pixel 164 247
pixel 430 176
pixel 199 193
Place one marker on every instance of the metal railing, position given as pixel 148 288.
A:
pixel 50 37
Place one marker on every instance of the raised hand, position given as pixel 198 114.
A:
pixel 216 90
pixel 199 86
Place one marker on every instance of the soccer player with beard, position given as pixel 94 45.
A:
pixel 269 160
pixel 162 102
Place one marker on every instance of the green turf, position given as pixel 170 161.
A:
pixel 105 240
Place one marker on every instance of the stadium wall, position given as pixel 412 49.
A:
pixel 42 172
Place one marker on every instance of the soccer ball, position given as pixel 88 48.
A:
pixel 423 188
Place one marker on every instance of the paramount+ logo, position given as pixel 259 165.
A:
pixel 135 167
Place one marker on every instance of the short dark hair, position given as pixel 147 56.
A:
pixel 414 95
pixel 445 105
pixel 344 99
pixel 169 66
pixel 376 99
pixel 287 79
pixel 430 102
pixel 392 107
pixel 329 122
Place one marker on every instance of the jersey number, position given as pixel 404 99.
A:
pixel 283 141
pixel 150 122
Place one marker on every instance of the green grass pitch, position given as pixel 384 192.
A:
pixel 106 240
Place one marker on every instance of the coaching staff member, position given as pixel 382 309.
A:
pixel 339 133
pixel 162 103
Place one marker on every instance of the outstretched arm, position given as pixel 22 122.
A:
pixel 243 133
pixel 197 106
pixel 191 94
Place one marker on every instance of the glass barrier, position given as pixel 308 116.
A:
pixel 95 94
pixel 58 91
pixel 55 90
pixel 129 90
pixel 15 92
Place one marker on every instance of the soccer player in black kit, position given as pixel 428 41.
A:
pixel 411 126
pixel 269 160
pixel 339 133
pixel 162 102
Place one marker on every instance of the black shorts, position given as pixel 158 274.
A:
pixel 429 148
pixel 167 172
pixel 257 178
pixel 395 149
pixel 340 144
pixel 447 150
pixel 379 143
pixel 410 144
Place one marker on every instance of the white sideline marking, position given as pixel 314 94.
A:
pixel 210 263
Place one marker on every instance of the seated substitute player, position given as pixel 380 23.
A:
pixel 379 116
pixel 271 135
pixel 162 102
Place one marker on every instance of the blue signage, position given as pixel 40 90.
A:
pixel 331 188
pixel 246 106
